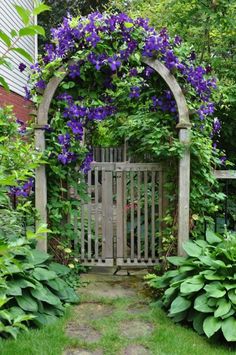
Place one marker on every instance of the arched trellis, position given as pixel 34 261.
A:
pixel 183 125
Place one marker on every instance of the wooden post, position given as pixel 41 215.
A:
pixel 184 191
pixel 41 187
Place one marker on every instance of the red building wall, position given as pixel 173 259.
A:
pixel 21 107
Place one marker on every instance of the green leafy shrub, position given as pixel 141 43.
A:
pixel 33 291
pixel 202 290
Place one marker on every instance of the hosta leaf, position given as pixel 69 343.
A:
pixel 180 304
pixel 211 237
pixel 60 270
pixel 215 289
pixel 57 284
pixel 198 322
pixel 4 314
pixel 200 304
pixel 45 295
pixel 27 303
pixel 192 249
pixel 22 283
pixel 212 275
pixel 178 317
pixel 192 284
pixel 223 308
pixel 38 257
pixel 176 260
pixel 44 319
pixel 232 296
pixel 229 329
pixel 13 289
pixel 43 274
pixel 211 325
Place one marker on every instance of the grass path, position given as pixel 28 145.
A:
pixel 114 317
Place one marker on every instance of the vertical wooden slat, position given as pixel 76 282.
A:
pixel 115 155
pixel 111 155
pixel 153 215
pixel 125 213
pixel 109 215
pixel 89 217
pixel 139 215
pixel 103 214
pixel 82 232
pixel 132 214
pixel 96 213
pixel 102 155
pixel 120 215
pixel 146 215
pixel 160 212
pixel 119 155
pixel 76 223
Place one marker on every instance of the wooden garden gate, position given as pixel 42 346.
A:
pixel 121 224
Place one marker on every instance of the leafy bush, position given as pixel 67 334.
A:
pixel 33 291
pixel 202 290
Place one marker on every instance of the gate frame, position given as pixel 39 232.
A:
pixel 183 125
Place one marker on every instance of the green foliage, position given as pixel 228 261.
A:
pixel 202 290
pixel 12 40
pixel 33 291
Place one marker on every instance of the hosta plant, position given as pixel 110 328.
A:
pixel 202 289
pixel 33 291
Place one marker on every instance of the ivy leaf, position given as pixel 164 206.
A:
pixel 22 52
pixel 32 31
pixel 23 13
pixel 5 38
pixel 4 83
pixel 211 325
pixel 41 8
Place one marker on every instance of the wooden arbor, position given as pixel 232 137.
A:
pixel 183 125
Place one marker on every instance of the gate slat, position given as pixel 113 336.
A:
pixel 103 215
pixel 125 214
pixel 109 215
pixel 119 215
pixel 160 211
pixel 153 213
pixel 82 231
pixel 89 216
pixel 139 216
pixel 96 213
pixel 145 215
pixel 132 213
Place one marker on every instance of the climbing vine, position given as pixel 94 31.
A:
pixel 109 86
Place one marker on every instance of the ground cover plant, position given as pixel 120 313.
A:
pixel 202 290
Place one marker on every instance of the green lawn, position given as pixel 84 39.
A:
pixel 167 338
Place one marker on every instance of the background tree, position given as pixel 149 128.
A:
pixel 209 27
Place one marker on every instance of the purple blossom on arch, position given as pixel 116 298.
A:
pixel 93 39
pixel 74 71
pixel 75 111
pixel 28 95
pixel 22 67
pixel 100 113
pixel 41 84
pixel 76 127
pixel 22 190
pixel 134 92
pixel 86 165
pixel 114 62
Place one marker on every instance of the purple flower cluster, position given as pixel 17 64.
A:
pixel 66 156
pixel 166 102
pixel 22 67
pixel 22 190
pixel 74 71
pixel 86 165
pixel 216 126
pixel 134 92
pixel 22 128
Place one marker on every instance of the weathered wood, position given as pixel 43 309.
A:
pixel 89 255
pixel 145 214
pixel 175 88
pixel 41 190
pixel 153 222
pixel 132 214
pixel 184 191
pixel 96 213
pixel 120 215
pixel 82 232
pixel 126 166
pixel 139 216
pixel 125 214
pixel 109 215
pixel 225 174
